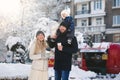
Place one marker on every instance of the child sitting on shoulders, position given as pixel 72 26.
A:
pixel 68 20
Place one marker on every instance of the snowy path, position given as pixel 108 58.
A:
pixel 12 71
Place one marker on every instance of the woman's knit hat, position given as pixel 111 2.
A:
pixel 40 32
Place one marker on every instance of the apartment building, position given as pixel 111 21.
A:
pixel 90 16
pixel 99 18
pixel 112 20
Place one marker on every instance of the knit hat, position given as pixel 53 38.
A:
pixel 66 12
pixel 64 24
pixel 40 32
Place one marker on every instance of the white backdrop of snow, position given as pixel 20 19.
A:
pixel 104 45
pixel 46 25
pixel 22 24
pixel 13 40
pixel 12 71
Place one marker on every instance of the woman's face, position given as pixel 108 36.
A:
pixel 62 29
pixel 40 37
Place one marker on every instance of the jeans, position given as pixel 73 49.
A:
pixel 61 74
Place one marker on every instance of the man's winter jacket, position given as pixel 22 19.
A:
pixel 63 59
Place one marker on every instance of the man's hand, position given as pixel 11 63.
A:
pixel 53 36
pixel 60 48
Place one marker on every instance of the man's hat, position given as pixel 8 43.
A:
pixel 64 24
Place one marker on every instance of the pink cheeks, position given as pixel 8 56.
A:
pixel 40 37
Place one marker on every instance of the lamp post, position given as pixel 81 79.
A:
pixel 22 13
pixel 103 36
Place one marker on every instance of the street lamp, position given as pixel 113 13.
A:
pixel 103 36
pixel 22 14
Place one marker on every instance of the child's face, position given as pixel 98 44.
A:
pixel 63 15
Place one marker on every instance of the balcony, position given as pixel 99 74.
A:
pixel 88 14
pixel 80 1
pixel 91 29
pixel 112 30
pixel 66 1
pixel 83 12
pixel 116 7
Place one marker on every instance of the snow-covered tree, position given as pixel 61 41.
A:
pixel 25 16
pixel 46 25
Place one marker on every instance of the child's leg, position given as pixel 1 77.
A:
pixel 70 36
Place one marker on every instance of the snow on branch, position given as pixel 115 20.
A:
pixel 12 41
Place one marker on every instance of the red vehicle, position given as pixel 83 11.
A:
pixel 51 62
pixel 102 57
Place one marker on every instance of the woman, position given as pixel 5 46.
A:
pixel 39 69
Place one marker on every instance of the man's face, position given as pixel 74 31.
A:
pixel 62 29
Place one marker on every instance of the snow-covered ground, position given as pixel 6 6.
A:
pixel 12 71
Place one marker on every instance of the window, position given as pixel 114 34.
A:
pixel 116 20
pixel 98 21
pixel 84 8
pixel 116 3
pixel 97 4
pixel 97 38
pixel 84 23
pixel 116 37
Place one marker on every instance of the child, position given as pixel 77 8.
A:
pixel 68 20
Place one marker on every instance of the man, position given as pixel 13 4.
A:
pixel 63 52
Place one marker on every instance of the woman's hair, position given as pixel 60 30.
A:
pixel 40 46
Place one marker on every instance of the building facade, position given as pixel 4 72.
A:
pixel 98 18
pixel 112 20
